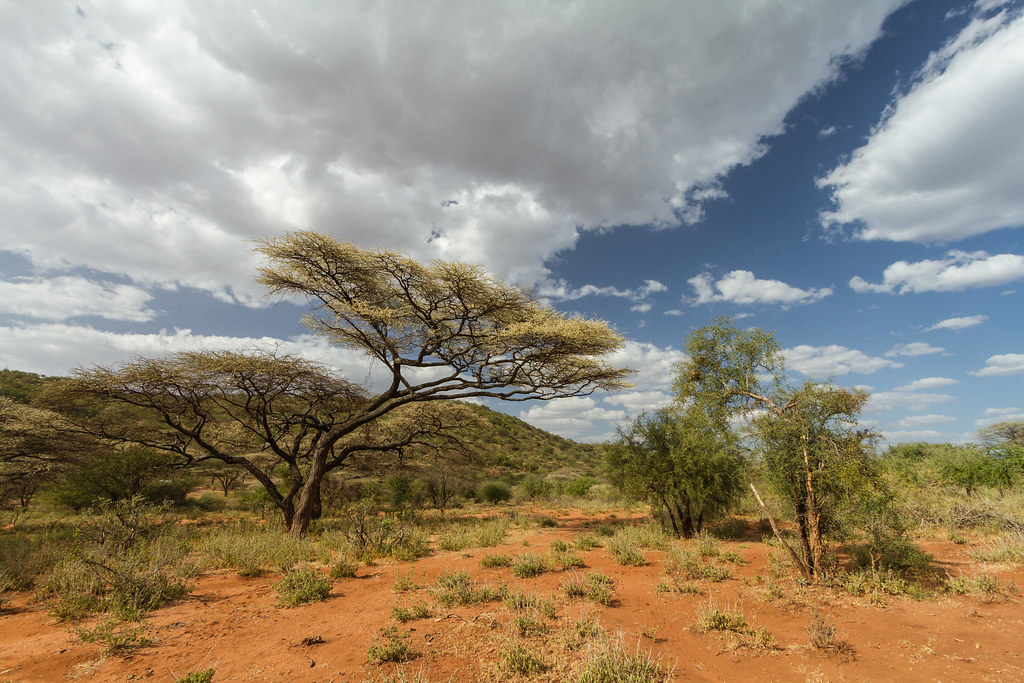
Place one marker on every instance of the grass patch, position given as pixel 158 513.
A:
pixel 390 646
pixel 528 566
pixel 519 660
pixel 609 662
pixel 459 588
pixel 301 586
pixel 495 561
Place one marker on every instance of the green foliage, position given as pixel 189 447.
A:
pixel 612 663
pixel 580 486
pixel 459 588
pixel 391 535
pixel 493 492
pixel 520 660
pixel 124 560
pixel 493 561
pixel 116 636
pixel 528 566
pixel 344 569
pixel 121 474
pixel 711 618
pixel 251 549
pixel 390 646
pixel 681 462
pixel 975 468
pixel 535 487
pixel 301 586
pixel 203 676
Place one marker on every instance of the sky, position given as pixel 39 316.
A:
pixel 847 174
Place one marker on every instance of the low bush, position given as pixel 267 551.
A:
pixel 493 492
pixel 301 586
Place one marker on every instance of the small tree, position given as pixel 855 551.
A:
pixel 680 463
pixel 439 332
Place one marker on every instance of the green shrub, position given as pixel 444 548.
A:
pixel 520 660
pixel 493 492
pixel 301 586
pixel 116 636
pixel 390 646
pixel 612 663
pixel 344 569
pixel 579 487
pixel 528 566
pixel 491 561
pixel 211 502
pixel 713 619
pixel 204 676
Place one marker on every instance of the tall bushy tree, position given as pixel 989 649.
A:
pixel 681 463
pixel 810 443
pixel 441 331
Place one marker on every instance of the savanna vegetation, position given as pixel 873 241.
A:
pixel 122 486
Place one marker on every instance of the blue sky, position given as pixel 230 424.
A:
pixel 850 175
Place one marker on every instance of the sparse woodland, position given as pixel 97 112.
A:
pixel 520 554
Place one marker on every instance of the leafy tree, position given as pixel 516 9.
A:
pixel 35 446
pixel 1003 433
pixel 811 445
pixel 680 462
pixel 439 332
pixel 117 474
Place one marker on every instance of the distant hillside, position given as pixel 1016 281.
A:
pixel 513 446
pixel 21 386
pixel 506 447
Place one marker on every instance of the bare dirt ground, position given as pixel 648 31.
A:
pixel 232 624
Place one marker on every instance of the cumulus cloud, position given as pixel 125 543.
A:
pixel 956 273
pixel 961 323
pixel 944 163
pixel 561 291
pixel 904 436
pixel 996 415
pixel 910 400
pixel 175 134
pixel 1002 364
pixel 66 297
pixel 636 402
pixel 914 349
pixel 833 360
pixel 928 383
pixel 919 421
pixel 56 348
pixel 741 287
pixel 574 416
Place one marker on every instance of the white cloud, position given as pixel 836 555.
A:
pixel 914 349
pixel 996 415
pixel 174 134
pixel 641 308
pixel 561 291
pixel 636 402
pixel 911 400
pixel 958 272
pixel 918 421
pixel 741 287
pixel 653 364
pixel 56 348
pixel 833 360
pixel 672 311
pixel 904 436
pixel 961 323
pixel 574 417
pixel 944 163
pixel 927 383
pixel 1002 364
pixel 66 297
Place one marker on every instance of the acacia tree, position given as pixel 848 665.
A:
pixel 680 463
pixel 441 331
pixel 35 444
pixel 811 446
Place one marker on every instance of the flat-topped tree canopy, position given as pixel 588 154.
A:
pixel 481 336
pixel 441 331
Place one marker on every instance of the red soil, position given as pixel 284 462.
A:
pixel 232 624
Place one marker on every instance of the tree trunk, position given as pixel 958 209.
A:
pixel 815 544
pixel 308 506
